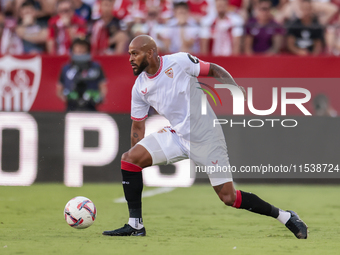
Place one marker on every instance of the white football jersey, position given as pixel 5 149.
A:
pixel 173 93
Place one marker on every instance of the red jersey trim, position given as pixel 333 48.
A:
pixel 204 68
pixel 159 69
pixel 139 119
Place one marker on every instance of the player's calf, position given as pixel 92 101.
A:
pixel 132 165
pixel 251 202
pixel 226 192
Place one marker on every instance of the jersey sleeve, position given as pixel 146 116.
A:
pixel 192 65
pixel 139 108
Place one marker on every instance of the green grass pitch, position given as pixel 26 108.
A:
pixel 184 221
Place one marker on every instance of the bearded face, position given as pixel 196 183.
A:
pixel 138 69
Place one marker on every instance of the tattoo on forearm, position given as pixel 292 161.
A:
pixel 221 75
pixel 136 137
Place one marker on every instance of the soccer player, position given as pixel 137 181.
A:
pixel 169 84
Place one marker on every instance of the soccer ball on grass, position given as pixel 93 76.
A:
pixel 80 212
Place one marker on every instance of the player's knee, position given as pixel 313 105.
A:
pixel 125 156
pixel 228 199
pixel 128 157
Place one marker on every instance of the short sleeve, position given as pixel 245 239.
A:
pixel 139 108
pixel 189 63
pixel 238 24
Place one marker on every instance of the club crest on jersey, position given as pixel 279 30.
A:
pixel 170 73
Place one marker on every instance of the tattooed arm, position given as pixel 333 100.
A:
pixel 137 131
pixel 222 75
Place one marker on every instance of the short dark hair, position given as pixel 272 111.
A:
pixel 81 41
pixel 181 4
pixel 28 3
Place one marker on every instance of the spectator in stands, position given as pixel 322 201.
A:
pixel 139 8
pixel 10 43
pixel 305 35
pixel 182 32
pixel 263 34
pixel 3 5
pixel 89 2
pixel 44 8
pixel 225 32
pixel 107 35
pixel 82 83
pixel 240 5
pixel 332 37
pixel 292 10
pixel 245 8
pixel 82 10
pixel 202 10
pixel 32 33
pixel 63 28
pixel 129 10
pixel 152 25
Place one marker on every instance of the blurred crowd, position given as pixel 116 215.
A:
pixel 201 27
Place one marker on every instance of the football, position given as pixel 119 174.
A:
pixel 80 212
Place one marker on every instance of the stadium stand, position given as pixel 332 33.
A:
pixel 211 31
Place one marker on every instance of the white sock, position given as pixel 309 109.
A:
pixel 136 223
pixel 283 216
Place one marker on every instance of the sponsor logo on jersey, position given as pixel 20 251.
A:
pixel 170 73
pixel 19 82
pixel 214 162
pixel 145 91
